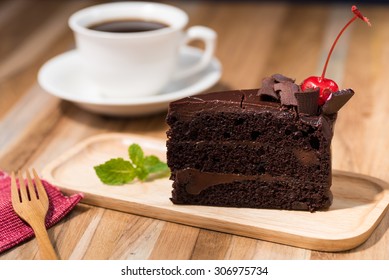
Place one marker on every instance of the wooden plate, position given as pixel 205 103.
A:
pixel 359 201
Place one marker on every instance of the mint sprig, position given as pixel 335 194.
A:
pixel 118 171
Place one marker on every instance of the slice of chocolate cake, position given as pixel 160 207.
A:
pixel 257 148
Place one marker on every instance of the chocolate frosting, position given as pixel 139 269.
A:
pixel 196 181
pixel 237 101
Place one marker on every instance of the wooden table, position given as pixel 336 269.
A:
pixel 255 40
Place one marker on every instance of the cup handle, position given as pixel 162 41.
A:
pixel 208 36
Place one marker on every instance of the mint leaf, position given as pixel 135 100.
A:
pixel 116 172
pixel 119 171
pixel 136 155
pixel 154 164
pixel 141 173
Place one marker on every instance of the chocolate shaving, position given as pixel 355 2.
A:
pixel 281 78
pixel 266 92
pixel 268 82
pixel 281 89
pixel 307 102
pixel 336 101
pixel 278 88
pixel 287 90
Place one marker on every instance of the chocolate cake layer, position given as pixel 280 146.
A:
pixel 214 189
pixel 253 158
pixel 235 150
pixel 240 115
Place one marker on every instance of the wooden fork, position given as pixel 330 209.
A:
pixel 31 204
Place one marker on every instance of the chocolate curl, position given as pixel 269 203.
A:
pixel 287 90
pixel 268 82
pixel 336 101
pixel 281 78
pixel 307 102
pixel 266 92
pixel 278 88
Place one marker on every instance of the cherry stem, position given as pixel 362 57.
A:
pixel 333 45
pixel 357 14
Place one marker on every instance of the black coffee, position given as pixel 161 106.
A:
pixel 128 26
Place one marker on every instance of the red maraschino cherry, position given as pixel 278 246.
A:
pixel 328 86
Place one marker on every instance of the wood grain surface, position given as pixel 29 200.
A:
pixel 256 39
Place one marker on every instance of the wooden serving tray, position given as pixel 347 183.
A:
pixel 359 201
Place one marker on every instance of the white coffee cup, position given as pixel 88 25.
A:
pixel 137 64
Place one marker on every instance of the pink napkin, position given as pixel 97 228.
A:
pixel 13 230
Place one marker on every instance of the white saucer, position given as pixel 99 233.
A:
pixel 63 76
